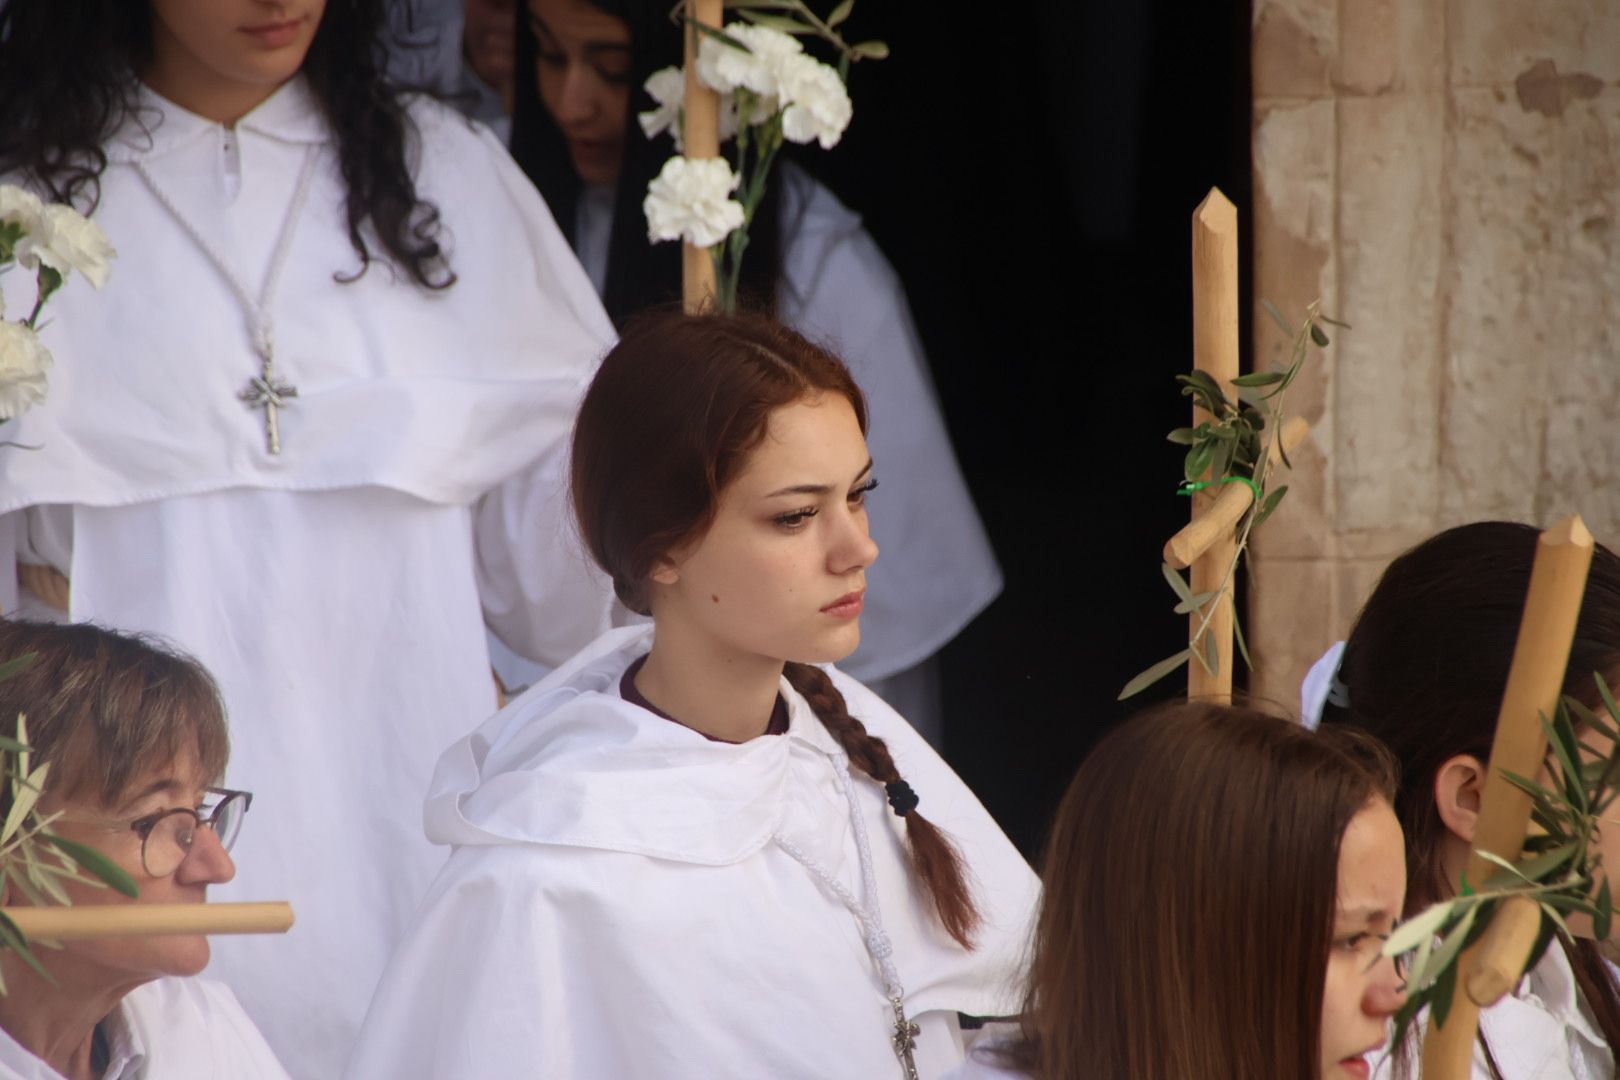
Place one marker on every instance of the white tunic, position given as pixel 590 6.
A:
pixel 936 570
pixel 620 904
pixel 169 1029
pixel 339 592
pixel 1541 1031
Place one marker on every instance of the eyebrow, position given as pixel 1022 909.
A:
pixel 1367 912
pixel 817 489
pixel 161 786
pixel 539 28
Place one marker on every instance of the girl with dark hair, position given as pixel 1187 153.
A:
pixel 1424 670
pixel 693 850
pixel 313 430
pixel 580 68
pixel 1158 954
pixel 134 737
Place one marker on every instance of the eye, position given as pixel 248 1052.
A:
pixel 794 520
pixel 857 496
pixel 550 58
pixel 1353 942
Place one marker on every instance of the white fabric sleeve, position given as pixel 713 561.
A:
pixel 543 596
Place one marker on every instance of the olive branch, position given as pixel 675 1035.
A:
pixel 1558 869
pixel 34 861
pixel 1237 444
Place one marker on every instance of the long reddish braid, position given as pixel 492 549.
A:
pixel 934 858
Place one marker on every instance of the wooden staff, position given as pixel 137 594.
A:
pixel 700 138
pixel 133 920
pixel 1557 581
pixel 1215 351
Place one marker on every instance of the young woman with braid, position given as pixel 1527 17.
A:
pixel 694 850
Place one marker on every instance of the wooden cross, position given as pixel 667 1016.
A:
pixel 265 391
pixel 1491 966
pixel 700 138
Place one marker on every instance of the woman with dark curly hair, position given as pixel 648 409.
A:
pixel 312 430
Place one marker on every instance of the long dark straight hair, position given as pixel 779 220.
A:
pixel 1425 666
pixel 640 274
pixel 672 416
pixel 68 77
pixel 1166 945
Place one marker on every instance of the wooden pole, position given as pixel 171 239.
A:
pixel 1535 678
pixel 132 920
pixel 1215 351
pixel 700 138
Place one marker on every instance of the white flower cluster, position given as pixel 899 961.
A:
pixel 52 241
pixel 777 75
pixel 690 200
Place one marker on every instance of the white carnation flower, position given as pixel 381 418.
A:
pixel 817 101
pixel 18 206
pixel 23 363
pixel 726 68
pixel 67 240
pixel 691 200
pixel 668 88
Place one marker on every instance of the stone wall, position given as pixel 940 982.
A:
pixel 1445 174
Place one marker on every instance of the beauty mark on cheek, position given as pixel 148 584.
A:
pixel 715 598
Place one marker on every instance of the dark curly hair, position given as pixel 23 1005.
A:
pixel 68 71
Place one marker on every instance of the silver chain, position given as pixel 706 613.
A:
pixel 903 1038
pixel 264 390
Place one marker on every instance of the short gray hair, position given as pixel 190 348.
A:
pixel 107 709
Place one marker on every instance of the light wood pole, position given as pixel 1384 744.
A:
pixel 1215 351
pixel 131 920
pixel 700 138
pixel 1490 966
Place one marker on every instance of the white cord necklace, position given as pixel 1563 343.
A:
pixel 265 390
pixel 869 915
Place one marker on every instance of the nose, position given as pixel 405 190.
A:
pixel 207 863
pixel 853 548
pixel 578 101
pixel 1386 992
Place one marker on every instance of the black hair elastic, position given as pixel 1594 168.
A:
pixel 901 797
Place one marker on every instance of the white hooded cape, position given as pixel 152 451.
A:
pixel 616 905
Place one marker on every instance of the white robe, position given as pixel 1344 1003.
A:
pixel 617 905
pixel 1541 1031
pixel 168 1029
pixel 339 592
pixel 936 570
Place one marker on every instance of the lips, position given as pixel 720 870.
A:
pixel 847 606
pixel 277 34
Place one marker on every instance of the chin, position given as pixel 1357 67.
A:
pixel 189 956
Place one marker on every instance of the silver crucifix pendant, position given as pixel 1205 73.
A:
pixel 904 1039
pixel 265 391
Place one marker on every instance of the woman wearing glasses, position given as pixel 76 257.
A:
pixel 135 737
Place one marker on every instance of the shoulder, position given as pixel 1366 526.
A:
pixel 194 1026
pixel 985 1062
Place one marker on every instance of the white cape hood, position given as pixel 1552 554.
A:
pixel 616 906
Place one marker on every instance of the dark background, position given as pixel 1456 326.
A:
pixel 1031 173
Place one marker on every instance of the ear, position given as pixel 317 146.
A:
pixel 665 572
pixel 1458 786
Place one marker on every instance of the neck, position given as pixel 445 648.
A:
pixel 223 101
pixel 721 692
pixel 55 1023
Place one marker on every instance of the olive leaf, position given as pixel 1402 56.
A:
pixel 1559 867
pixel 1233 443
